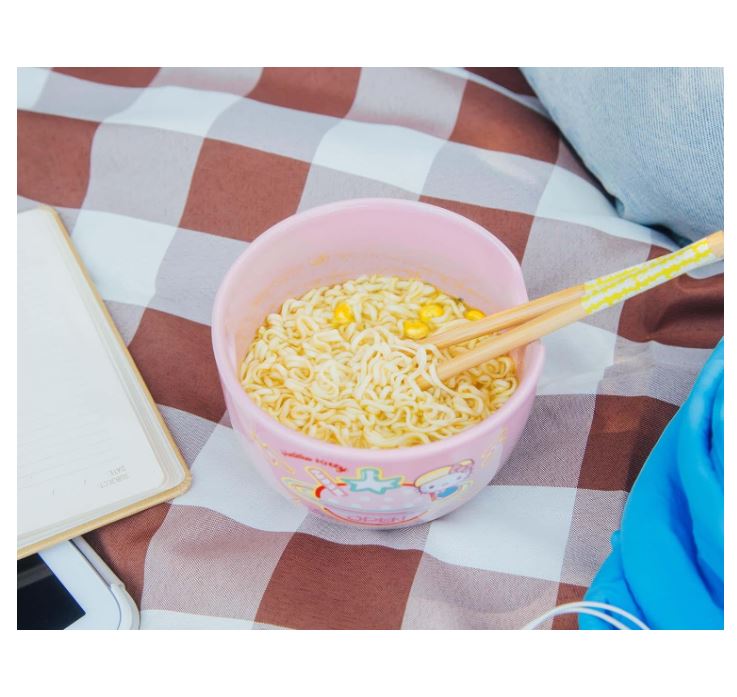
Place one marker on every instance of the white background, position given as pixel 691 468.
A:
pixel 341 33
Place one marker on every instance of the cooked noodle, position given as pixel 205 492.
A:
pixel 355 383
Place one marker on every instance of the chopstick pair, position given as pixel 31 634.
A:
pixel 530 321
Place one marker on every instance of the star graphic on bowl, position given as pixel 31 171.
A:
pixel 370 479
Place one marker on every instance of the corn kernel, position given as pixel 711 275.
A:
pixel 473 314
pixel 342 314
pixel 427 312
pixel 415 329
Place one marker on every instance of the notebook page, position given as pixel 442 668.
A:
pixel 81 447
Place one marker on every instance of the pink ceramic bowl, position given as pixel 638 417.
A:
pixel 333 243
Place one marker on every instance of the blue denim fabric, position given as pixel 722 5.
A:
pixel 654 137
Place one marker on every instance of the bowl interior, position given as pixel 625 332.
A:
pixel 334 243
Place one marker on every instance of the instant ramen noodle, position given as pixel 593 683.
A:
pixel 342 364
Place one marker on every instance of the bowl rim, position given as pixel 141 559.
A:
pixel 534 352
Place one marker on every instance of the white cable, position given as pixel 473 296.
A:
pixel 582 605
pixel 581 610
pixel 588 608
pixel 617 610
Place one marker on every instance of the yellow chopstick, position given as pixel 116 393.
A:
pixel 532 320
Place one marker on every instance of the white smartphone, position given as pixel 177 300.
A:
pixel 69 586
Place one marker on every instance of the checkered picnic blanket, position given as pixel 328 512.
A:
pixel 163 176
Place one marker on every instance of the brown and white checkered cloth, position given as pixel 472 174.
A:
pixel 163 176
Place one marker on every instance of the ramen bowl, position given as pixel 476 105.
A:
pixel 377 488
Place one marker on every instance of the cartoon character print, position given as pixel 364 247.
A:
pixel 371 498
pixel 445 481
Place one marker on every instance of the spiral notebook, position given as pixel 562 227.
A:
pixel 92 446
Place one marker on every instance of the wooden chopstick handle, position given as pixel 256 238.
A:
pixel 592 297
pixel 521 313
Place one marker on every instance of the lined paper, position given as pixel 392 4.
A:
pixel 82 449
